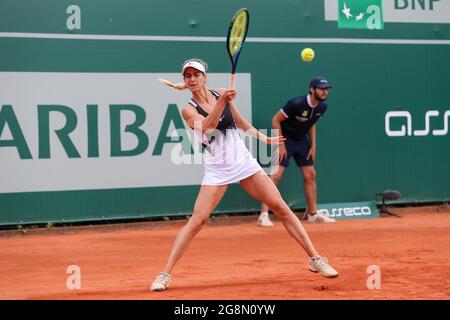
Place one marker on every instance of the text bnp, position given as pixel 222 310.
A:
pixel 416 4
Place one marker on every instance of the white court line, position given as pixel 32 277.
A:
pixel 216 39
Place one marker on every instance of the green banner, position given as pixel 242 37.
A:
pixel 87 131
pixel 360 14
pixel 350 210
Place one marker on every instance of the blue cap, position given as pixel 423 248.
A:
pixel 319 82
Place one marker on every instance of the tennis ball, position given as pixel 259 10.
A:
pixel 307 54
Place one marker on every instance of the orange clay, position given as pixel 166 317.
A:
pixel 233 258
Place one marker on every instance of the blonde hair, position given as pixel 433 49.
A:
pixel 181 85
pixel 177 86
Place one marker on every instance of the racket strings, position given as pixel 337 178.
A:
pixel 238 31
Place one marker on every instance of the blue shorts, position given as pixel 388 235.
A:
pixel 298 149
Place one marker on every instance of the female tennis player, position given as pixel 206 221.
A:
pixel 212 114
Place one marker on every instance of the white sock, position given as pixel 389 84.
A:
pixel 264 213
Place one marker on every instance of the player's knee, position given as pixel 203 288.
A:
pixel 197 221
pixel 280 208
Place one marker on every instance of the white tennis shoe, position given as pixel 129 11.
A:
pixel 161 282
pixel 321 265
pixel 320 218
pixel 264 220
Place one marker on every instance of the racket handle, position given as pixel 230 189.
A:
pixel 233 81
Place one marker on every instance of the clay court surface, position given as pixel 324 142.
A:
pixel 232 258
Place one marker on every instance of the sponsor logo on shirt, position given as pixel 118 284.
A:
pixel 301 119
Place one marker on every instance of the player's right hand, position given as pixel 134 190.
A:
pixel 228 95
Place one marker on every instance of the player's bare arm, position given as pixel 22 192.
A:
pixel 247 127
pixel 190 115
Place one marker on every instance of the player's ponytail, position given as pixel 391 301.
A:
pixel 177 86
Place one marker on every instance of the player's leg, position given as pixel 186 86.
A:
pixel 263 189
pixel 264 219
pixel 207 200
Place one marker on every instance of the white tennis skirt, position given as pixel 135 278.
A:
pixel 227 160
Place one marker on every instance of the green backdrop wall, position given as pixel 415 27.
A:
pixel 373 72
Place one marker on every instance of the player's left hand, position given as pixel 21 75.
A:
pixel 311 154
pixel 273 140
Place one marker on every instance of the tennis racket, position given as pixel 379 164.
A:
pixel 237 32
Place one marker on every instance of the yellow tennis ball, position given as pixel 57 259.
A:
pixel 307 54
